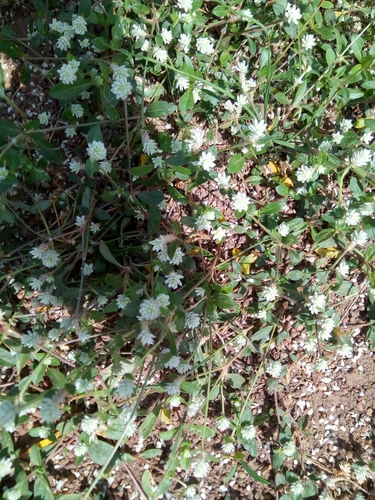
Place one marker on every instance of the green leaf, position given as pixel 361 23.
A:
pixel 220 11
pixel 147 426
pixel 46 149
pixel 369 226
pixel 235 380
pixel 236 164
pixel 42 489
pixel 65 92
pixel 186 101
pixel 84 8
pixel 146 484
pixel 154 218
pixel 330 56
pixel 8 128
pixel 300 94
pixel 151 197
pixel 11 49
pixel 224 301
pixel 160 108
pixel 203 430
pixel 144 170
pixel 262 334
pixel 58 379
pixel 176 195
pixel 49 409
pixel 282 98
pixel 35 456
pixel 100 451
pixel 272 208
pixel 107 254
pixel 151 453
pixel 6 358
pixel 253 474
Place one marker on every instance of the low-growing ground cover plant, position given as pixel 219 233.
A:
pixel 194 186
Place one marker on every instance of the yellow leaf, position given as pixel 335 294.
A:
pixel 274 168
pixel 222 219
pixel 46 442
pixel 287 182
pixel 338 332
pixel 328 253
pixel 235 252
pixel 143 159
pixel 245 268
pixel 165 416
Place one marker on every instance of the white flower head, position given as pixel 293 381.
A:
pixel 207 161
pixel 292 14
pixel 219 233
pixel 149 145
pixel 205 46
pixel 185 5
pixel 192 320
pixel 248 432
pixel 79 24
pixel 359 238
pixel 317 303
pixel 352 218
pixel 223 180
pixel 337 137
pixel 149 310
pixel 166 36
pixel 289 449
pixel 173 280
pixel 6 466
pixel 275 369
pixel 258 130
pixel 145 336
pixel 160 54
pixel 184 42
pixel 68 72
pixel 50 258
pixel 305 174
pixel 346 125
pixel 308 42
pixel 283 229
pixel 96 151
pixel 361 157
pixel 343 268
pixel 270 293
pixel 240 202
pixel 182 82
pixel 200 466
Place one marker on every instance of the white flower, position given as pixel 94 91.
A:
pixel 185 5
pixel 177 257
pixel 159 244
pixel 122 301
pixel 197 139
pixel 161 54
pixel 149 145
pixel 248 432
pixel 367 137
pixel 35 284
pixel 96 151
pixel 337 137
pixel 352 218
pixel 63 43
pixel 184 42
pixel 305 174
pixel 50 258
pixel 68 72
pixel 359 238
pixel 362 472
pixel 80 220
pixel 173 280
pixel 346 125
pixel 200 292
pixel 248 85
pixel 79 24
pixel 223 424
pixel 203 223
pixel 223 180
pixel 308 42
pixel 201 466
pixel 182 83
pixel 207 161
pixel 76 110
pixel 270 293
pixel 205 46
pixel 94 228
pixel 292 13
pixel 145 46
pixel 138 32
pixel 289 449
pixel 173 361
pixel 275 369
pixel 44 118
pixel 240 202
pixel 163 300
pixel 325 328
pixel 166 36
pixel 183 367
pixel 219 233
pixel 361 157
pixel 283 229
pixel 229 106
pixel 105 167
pixel 145 336
pixel 317 303
pixel 173 388
pixel 90 425
pixel 149 309
pixel 126 388
pixel 192 320
pixel 345 350
pixel 343 268
pixel 88 269
pixel 228 446
pixel 121 88
pixel 258 130
pixel 6 466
